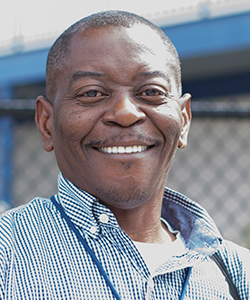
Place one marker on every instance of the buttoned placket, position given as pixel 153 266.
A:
pixel 133 255
pixel 142 269
pixel 150 287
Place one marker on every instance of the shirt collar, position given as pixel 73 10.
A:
pixel 196 226
pixel 194 223
pixel 84 210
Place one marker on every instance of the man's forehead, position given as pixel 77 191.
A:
pixel 107 47
pixel 143 34
pixel 138 33
pixel 139 38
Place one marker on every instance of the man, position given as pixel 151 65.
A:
pixel 114 116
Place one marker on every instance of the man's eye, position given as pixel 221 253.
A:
pixel 92 93
pixel 152 92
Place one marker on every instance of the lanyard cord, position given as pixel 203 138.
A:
pixel 86 246
pixel 184 288
pixel 94 258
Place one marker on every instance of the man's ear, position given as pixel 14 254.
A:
pixel 186 119
pixel 44 119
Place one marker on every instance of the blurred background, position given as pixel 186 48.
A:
pixel 213 41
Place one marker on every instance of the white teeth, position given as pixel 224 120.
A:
pixel 129 149
pixel 122 150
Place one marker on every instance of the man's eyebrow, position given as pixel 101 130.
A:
pixel 83 74
pixel 154 74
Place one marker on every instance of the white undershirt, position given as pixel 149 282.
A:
pixel 156 254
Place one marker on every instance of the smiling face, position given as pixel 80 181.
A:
pixel 117 118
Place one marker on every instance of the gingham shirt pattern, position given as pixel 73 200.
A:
pixel 41 258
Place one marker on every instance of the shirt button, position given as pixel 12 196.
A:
pixel 150 283
pixel 93 229
pixel 104 218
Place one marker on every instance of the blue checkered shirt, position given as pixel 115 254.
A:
pixel 41 258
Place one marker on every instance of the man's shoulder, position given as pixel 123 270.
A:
pixel 25 208
pixel 16 218
pixel 234 254
pixel 237 262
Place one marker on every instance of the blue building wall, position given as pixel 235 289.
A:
pixel 211 36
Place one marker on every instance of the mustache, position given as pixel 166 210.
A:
pixel 122 138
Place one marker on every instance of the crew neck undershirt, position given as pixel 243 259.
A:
pixel 156 254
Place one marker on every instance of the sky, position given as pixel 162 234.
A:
pixel 40 19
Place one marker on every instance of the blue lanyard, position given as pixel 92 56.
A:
pixel 94 258
pixel 184 287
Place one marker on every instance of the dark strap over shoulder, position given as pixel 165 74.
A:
pixel 232 288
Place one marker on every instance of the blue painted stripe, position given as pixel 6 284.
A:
pixel 211 36
pixel 24 67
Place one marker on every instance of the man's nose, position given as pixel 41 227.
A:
pixel 123 110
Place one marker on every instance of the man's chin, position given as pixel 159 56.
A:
pixel 127 199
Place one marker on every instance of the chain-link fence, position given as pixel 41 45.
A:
pixel 213 170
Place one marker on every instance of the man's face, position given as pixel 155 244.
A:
pixel 117 117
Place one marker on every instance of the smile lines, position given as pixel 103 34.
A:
pixel 122 150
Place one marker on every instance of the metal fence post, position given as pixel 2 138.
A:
pixel 6 141
pixel 6 147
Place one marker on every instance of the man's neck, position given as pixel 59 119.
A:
pixel 143 224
